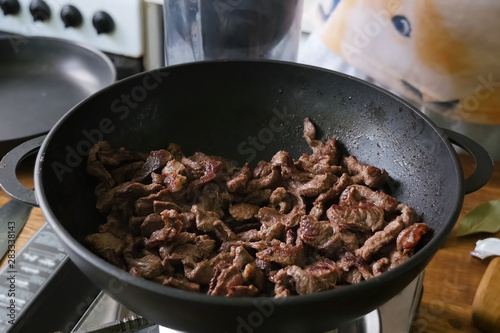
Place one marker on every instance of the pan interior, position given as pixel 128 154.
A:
pixel 41 79
pixel 247 111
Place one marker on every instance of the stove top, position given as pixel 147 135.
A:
pixel 51 295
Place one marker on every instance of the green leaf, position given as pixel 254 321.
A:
pixel 483 218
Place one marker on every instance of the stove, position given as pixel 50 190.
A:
pixel 47 293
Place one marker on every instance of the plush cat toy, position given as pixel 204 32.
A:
pixel 442 54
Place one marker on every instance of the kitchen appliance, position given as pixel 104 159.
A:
pixel 123 29
pixel 246 98
pixel 242 29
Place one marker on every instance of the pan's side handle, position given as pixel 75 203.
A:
pixel 484 163
pixel 8 166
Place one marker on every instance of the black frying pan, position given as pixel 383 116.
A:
pixel 223 108
pixel 43 78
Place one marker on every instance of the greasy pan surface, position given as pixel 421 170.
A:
pixel 247 111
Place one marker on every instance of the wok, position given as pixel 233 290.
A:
pixel 246 111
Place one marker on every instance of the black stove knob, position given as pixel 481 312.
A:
pixel 10 7
pixel 103 22
pixel 71 16
pixel 39 10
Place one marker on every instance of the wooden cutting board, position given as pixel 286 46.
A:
pixel 486 305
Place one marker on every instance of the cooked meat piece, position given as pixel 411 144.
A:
pixel 381 238
pixel 348 239
pixel 147 267
pixel 214 198
pixel 113 158
pixel 243 291
pixel 98 170
pixel 253 275
pixel 322 275
pixel 160 206
pixel 240 180
pixel 181 284
pixel 210 172
pixel 354 194
pixel 380 266
pixel 284 161
pixel 156 178
pixel 259 197
pixel 171 229
pixel 262 169
pixel 350 260
pixel 155 162
pixel 108 246
pixel 135 222
pixel 319 235
pixel 327 198
pixel 243 211
pixel 363 218
pixel 174 175
pixel 281 200
pixel 205 220
pixel 283 254
pixel 151 223
pixel 408 214
pixel 365 174
pixel 353 276
pixel 269 181
pixel 145 205
pixel 310 136
pixel 188 249
pixel 126 172
pixel 224 279
pixel 126 192
pixel 317 185
pixel 195 165
pixel 223 232
pixel 397 258
pixel 202 272
pixel 268 216
pixel 409 237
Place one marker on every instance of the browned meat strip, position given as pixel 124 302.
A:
pixel 174 175
pixel 363 218
pixel 410 236
pixel 282 254
pixel 155 162
pixel 243 211
pixel 181 283
pixel 240 180
pixel 322 275
pixel 151 223
pixel 319 234
pixel 380 266
pixel 354 194
pixel 148 267
pixel 381 238
pixel 170 231
pixel 365 174
pixel 108 246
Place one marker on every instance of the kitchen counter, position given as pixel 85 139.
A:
pixel 451 278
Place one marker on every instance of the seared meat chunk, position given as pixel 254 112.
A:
pixel 354 194
pixel 363 218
